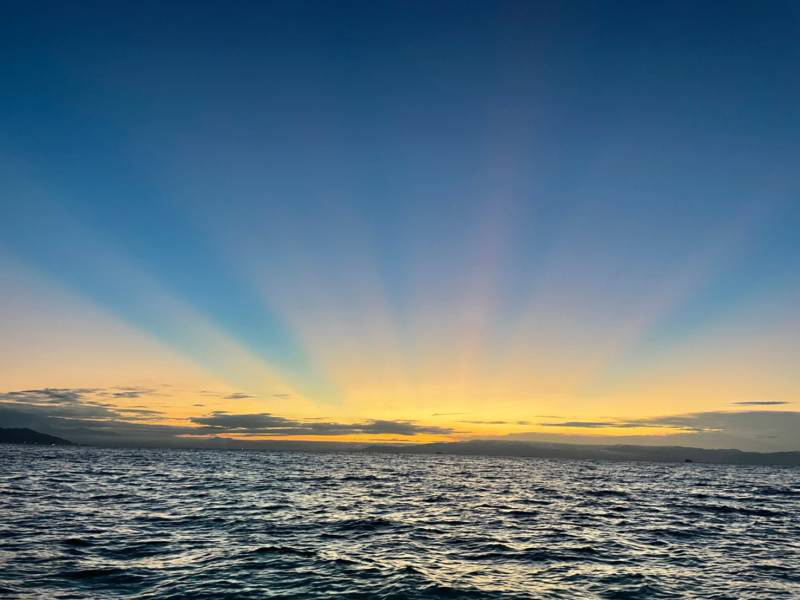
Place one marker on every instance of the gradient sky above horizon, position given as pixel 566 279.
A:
pixel 475 218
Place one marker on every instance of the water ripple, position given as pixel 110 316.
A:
pixel 169 524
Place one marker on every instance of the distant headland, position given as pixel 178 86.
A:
pixel 603 452
pixel 29 436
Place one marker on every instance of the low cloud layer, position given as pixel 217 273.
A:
pixel 85 415
pixel 267 424
pixel 93 415
pixel 76 403
pixel 756 430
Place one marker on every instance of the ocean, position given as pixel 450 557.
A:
pixel 81 522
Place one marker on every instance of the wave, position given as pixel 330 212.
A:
pixel 241 524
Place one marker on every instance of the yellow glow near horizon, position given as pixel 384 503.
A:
pixel 83 346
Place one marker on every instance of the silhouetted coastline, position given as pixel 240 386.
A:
pixel 614 452
pixel 600 452
pixel 23 435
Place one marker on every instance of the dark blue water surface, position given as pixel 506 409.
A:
pixel 100 523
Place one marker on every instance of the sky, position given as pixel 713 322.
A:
pixel 401 221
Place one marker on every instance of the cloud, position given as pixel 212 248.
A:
pixel 254 422
pixel 128 394
pixel 589 424
pixel 755 430
pixel 756 403
pixel 224 395
pixel 282 396
pixel 72 403
pixel 76 414
pixel 64 411
pixel 49 395
pixel 56 410
pixel 496 422
pixel 267 424
pixel 140 413
pixel 603 424
pixel 89 415
pixel 402 428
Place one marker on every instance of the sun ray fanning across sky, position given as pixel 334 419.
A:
pixel 425 221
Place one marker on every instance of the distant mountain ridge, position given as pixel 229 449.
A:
pixel 510 448
pixel 604 452
pixel 29 436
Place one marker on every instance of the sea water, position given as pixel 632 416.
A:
pixel 78 522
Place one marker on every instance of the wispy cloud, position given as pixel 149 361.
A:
pixel 238 396
pixel 50 395
pixel 496 422
pixel 223 395
pixel 133 392
pixel 759 430
pixel 601 424
pixel 760 403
